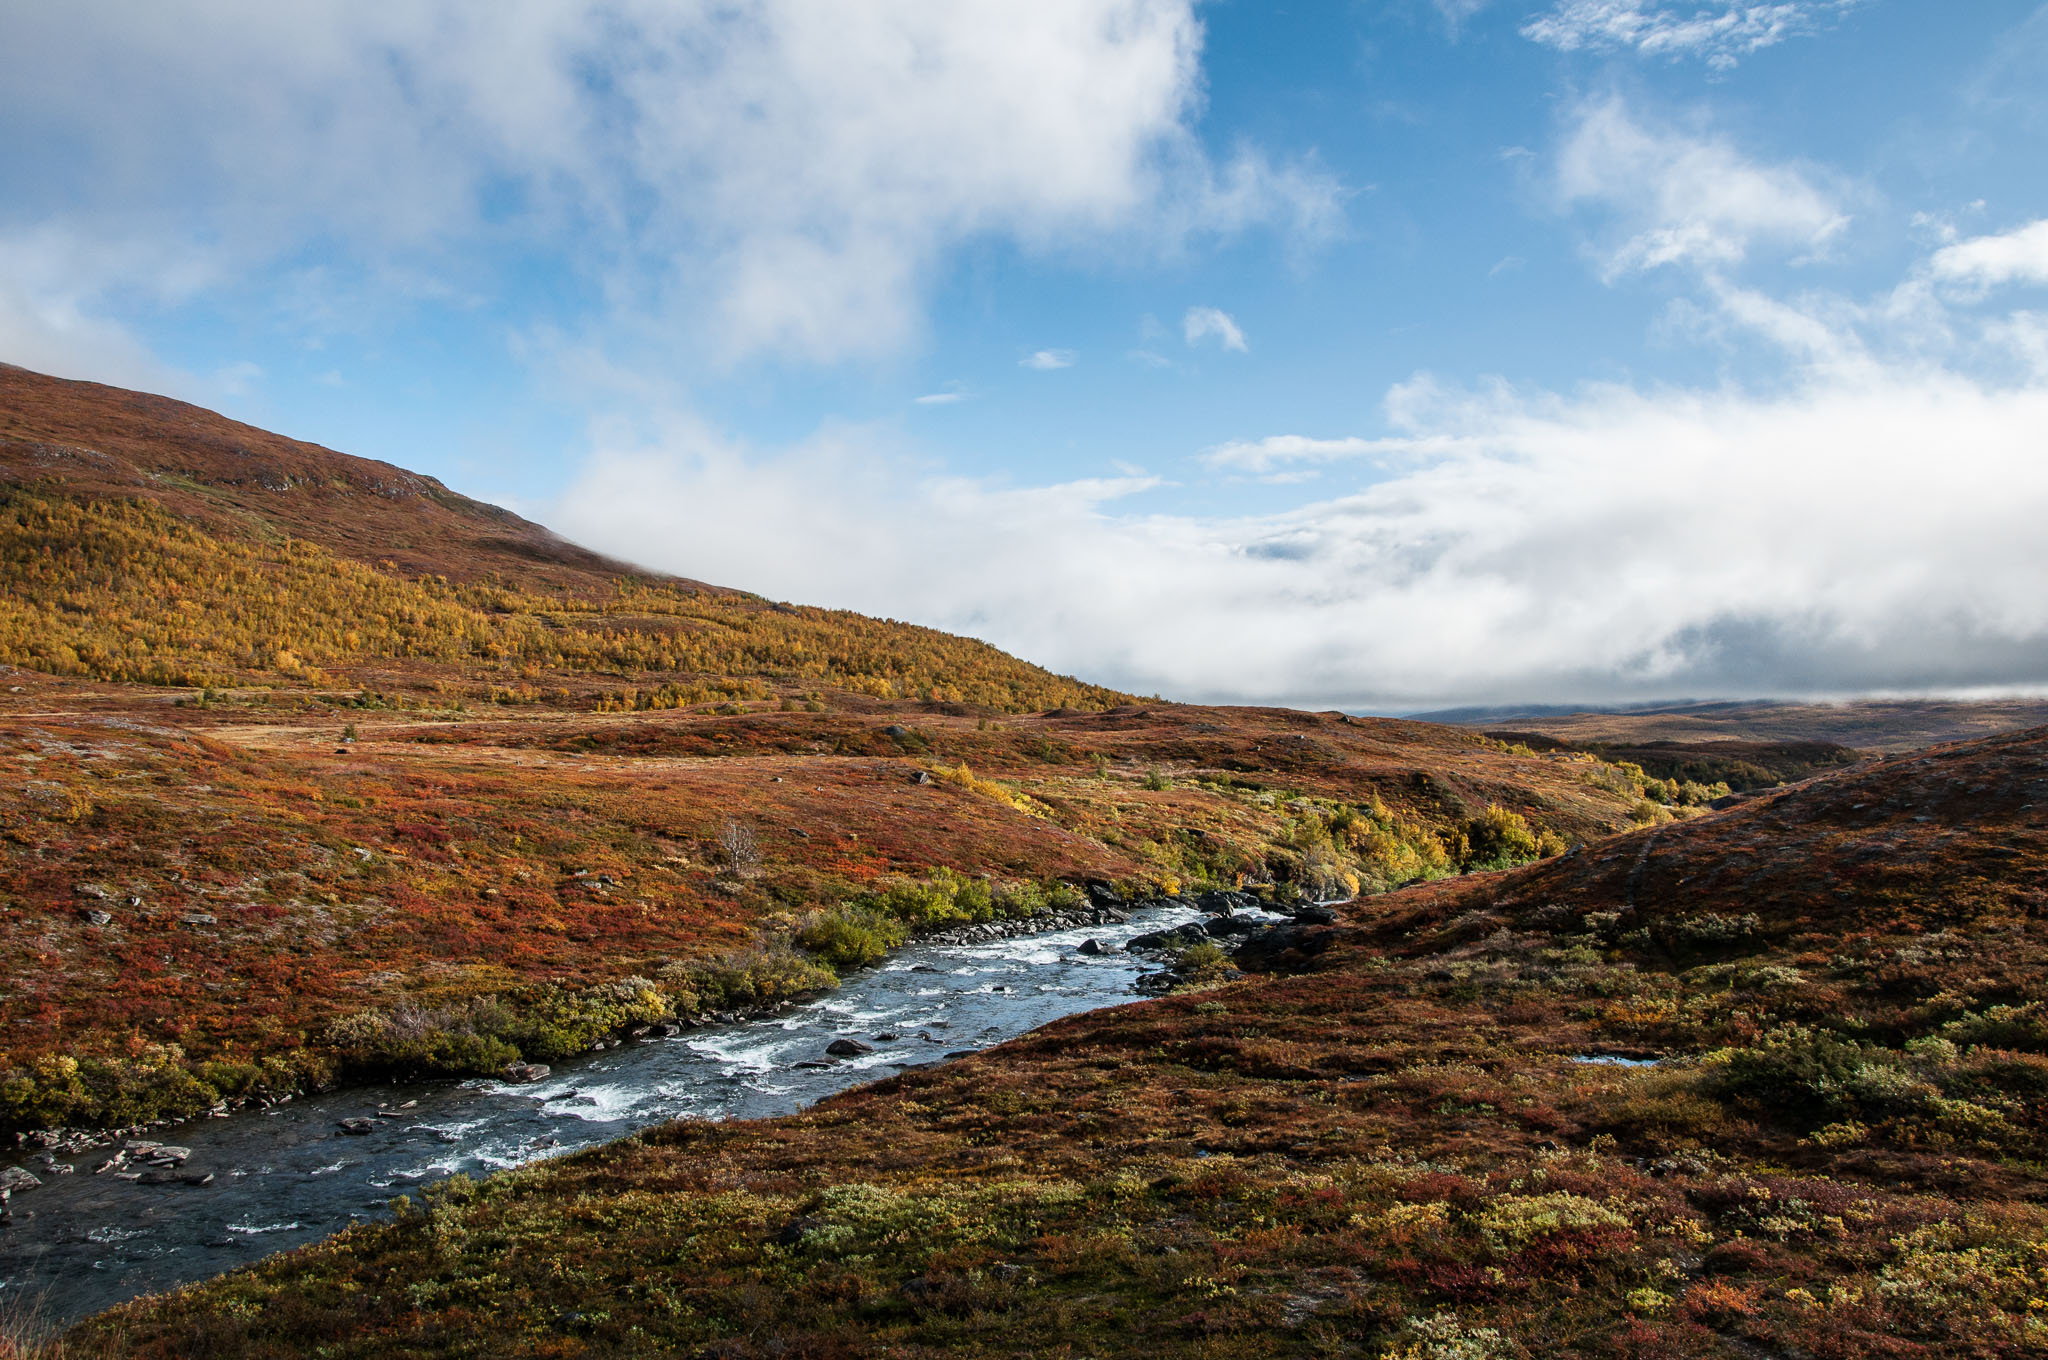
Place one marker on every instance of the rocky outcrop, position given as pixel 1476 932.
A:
pixel 1290 947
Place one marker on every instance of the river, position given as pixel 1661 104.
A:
pixel 286 1176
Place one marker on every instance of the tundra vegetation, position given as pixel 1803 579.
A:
pixel 1396 1144
pixel 324 774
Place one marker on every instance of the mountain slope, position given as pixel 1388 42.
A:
pixel 239 481
pixel 150 541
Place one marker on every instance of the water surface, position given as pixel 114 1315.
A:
pixel 287 1176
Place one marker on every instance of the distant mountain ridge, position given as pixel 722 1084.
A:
pixel 1876 725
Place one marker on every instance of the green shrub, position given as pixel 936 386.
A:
pixel 1707 933
pixel 850 936
pixel 745 980
pixel 2023 1028
pixel 158 1082
pixel 1813 1076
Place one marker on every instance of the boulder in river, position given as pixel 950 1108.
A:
pixel 18 1178
pixel 358 1127
pixel 520 1073
pixel 1194 932
pixel 848 1048
pixel 1092 947
pixel 1221 902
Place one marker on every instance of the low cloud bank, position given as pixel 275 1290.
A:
pixel 1876 526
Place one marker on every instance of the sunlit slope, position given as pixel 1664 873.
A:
pixel 147 541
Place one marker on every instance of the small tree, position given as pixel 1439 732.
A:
pixel 742 852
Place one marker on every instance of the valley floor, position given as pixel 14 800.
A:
pixel 1414 1138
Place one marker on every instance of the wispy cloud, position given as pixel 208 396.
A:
pixel 1718 35
pixel 1675 197
pixel 2017 256
pixel 947 396
pixel 1455 13
pixel 1046 360
pixel 1204 323
pixel 1259 456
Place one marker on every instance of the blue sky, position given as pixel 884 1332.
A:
pixel 1381 355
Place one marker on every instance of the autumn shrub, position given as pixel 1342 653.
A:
pixel 156 1082
pixel 987 788
pixel 124 590
pixel 1390 849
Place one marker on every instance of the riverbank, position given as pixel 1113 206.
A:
pixel 268 1180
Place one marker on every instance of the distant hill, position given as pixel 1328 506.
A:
pixel 1875 725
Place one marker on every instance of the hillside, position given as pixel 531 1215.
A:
pixel 289 811
pixel 144 540
pixel 1416 1139
pixel 1884 726
pixel 236 481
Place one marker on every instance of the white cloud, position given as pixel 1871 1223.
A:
pixel 779 176
pixel 240 378
pixel 1046 360
pixel 1264 455
pixel 945 398
pixel 50 322
pixel 1202 323
pixel 1454 13
pixel 1719 35
pixel 1678 198
pixel 1867 526
pixel 2018 256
